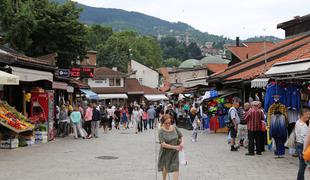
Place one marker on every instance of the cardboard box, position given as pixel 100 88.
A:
pixel 9 144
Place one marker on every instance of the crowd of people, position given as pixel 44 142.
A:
pixel 85 122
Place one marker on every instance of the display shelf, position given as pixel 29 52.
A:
pixel 13 129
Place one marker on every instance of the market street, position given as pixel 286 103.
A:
pixel 68 159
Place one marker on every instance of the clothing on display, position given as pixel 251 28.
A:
pixel 274 89
pixel 293 96
pixel 274 108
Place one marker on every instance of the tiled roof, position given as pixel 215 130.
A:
pixel 51 58
pixel 166 87
pixel 279 50
pixel 79 84
pixel 109 90
pixel 178 90
pixel 216 67
pixel 17 57
pixel 133 86
pixel 249 49
pixel 149 90
pixel 104 72
pixel 299 53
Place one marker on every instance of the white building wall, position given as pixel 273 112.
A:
pixel 145 75
pixel 102 83
pixel 182 76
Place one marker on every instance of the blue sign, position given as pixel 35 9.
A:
pixel 63 72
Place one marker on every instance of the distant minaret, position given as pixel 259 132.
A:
pixel 186 38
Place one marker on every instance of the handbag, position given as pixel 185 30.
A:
pixel 182 158
pixel 306 155
pixel 291 141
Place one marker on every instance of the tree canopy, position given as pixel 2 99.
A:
pixel 42 27
pixel 179 50
pixel 125 45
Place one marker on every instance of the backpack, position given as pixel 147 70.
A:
pixel 228 121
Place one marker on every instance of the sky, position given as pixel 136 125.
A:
pixel 230 18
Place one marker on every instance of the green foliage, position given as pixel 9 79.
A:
pixel 97 34
pixel 174 49
pixel 263 38
pixel 172 62
pixel 122 46
pixel 40 27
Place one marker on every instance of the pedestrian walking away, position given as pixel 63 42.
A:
pixel 151 113
pixel 76 117
pixel 88 118
pixel 95 121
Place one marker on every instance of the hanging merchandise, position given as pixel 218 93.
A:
pixel 293 97
pixel 274 89
pixel 277 123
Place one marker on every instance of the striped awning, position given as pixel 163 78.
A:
pixel 259 82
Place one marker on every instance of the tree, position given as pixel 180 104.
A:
pixel 42 27
pixel 96 35
pixel 122 46
pixel 172 62
pixel 194 52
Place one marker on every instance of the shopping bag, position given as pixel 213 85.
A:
pixel 291 141
pixel 182 158
pixel 307 154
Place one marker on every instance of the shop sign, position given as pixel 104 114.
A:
pixel 82 72
pixel 70 89
pixel 63 72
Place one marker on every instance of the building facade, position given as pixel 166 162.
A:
pixel 145 75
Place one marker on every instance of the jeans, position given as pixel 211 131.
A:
pixel 151 123
pixel 63 128
pixel 302 164
pixel 87 127
pixel 95 128
pixel 145 124
pixel 77 128
pixel 242 134
pixel 254 136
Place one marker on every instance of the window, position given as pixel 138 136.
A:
pixel 98 81
pixel 111 82
pixel 140 80
pixel 117 82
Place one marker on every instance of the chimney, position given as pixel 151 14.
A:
pixel 114 68
pixel 237 41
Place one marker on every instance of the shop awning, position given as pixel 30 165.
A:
pixel 90 94
pixel 8 79
pixel 30 75
pixel 289 68
pixel 155 97
pixel 113 96
pixel 259 82
pixel 60 85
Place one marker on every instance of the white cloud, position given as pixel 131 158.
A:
pixel 244 18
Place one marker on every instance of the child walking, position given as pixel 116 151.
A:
pixel 145 118
pixel 196 125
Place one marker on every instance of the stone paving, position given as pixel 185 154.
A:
pixel 70 159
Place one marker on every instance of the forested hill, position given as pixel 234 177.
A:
pixel 142 23
pixel 147 25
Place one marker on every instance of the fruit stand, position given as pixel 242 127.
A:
pixel 15 127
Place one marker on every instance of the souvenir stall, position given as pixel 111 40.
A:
pixel 216 105
pixel 285 95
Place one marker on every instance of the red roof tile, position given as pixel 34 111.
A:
pixel 216 67
pixel 79 84
pixel 149 90
pixel 249 49
pixel 280 49
pixel 109 90
pixel 104 72
pixel 299 53
pixel 178 90
pixel 133 86
pixel 166 87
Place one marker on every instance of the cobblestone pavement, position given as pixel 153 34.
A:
pixel 70 159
